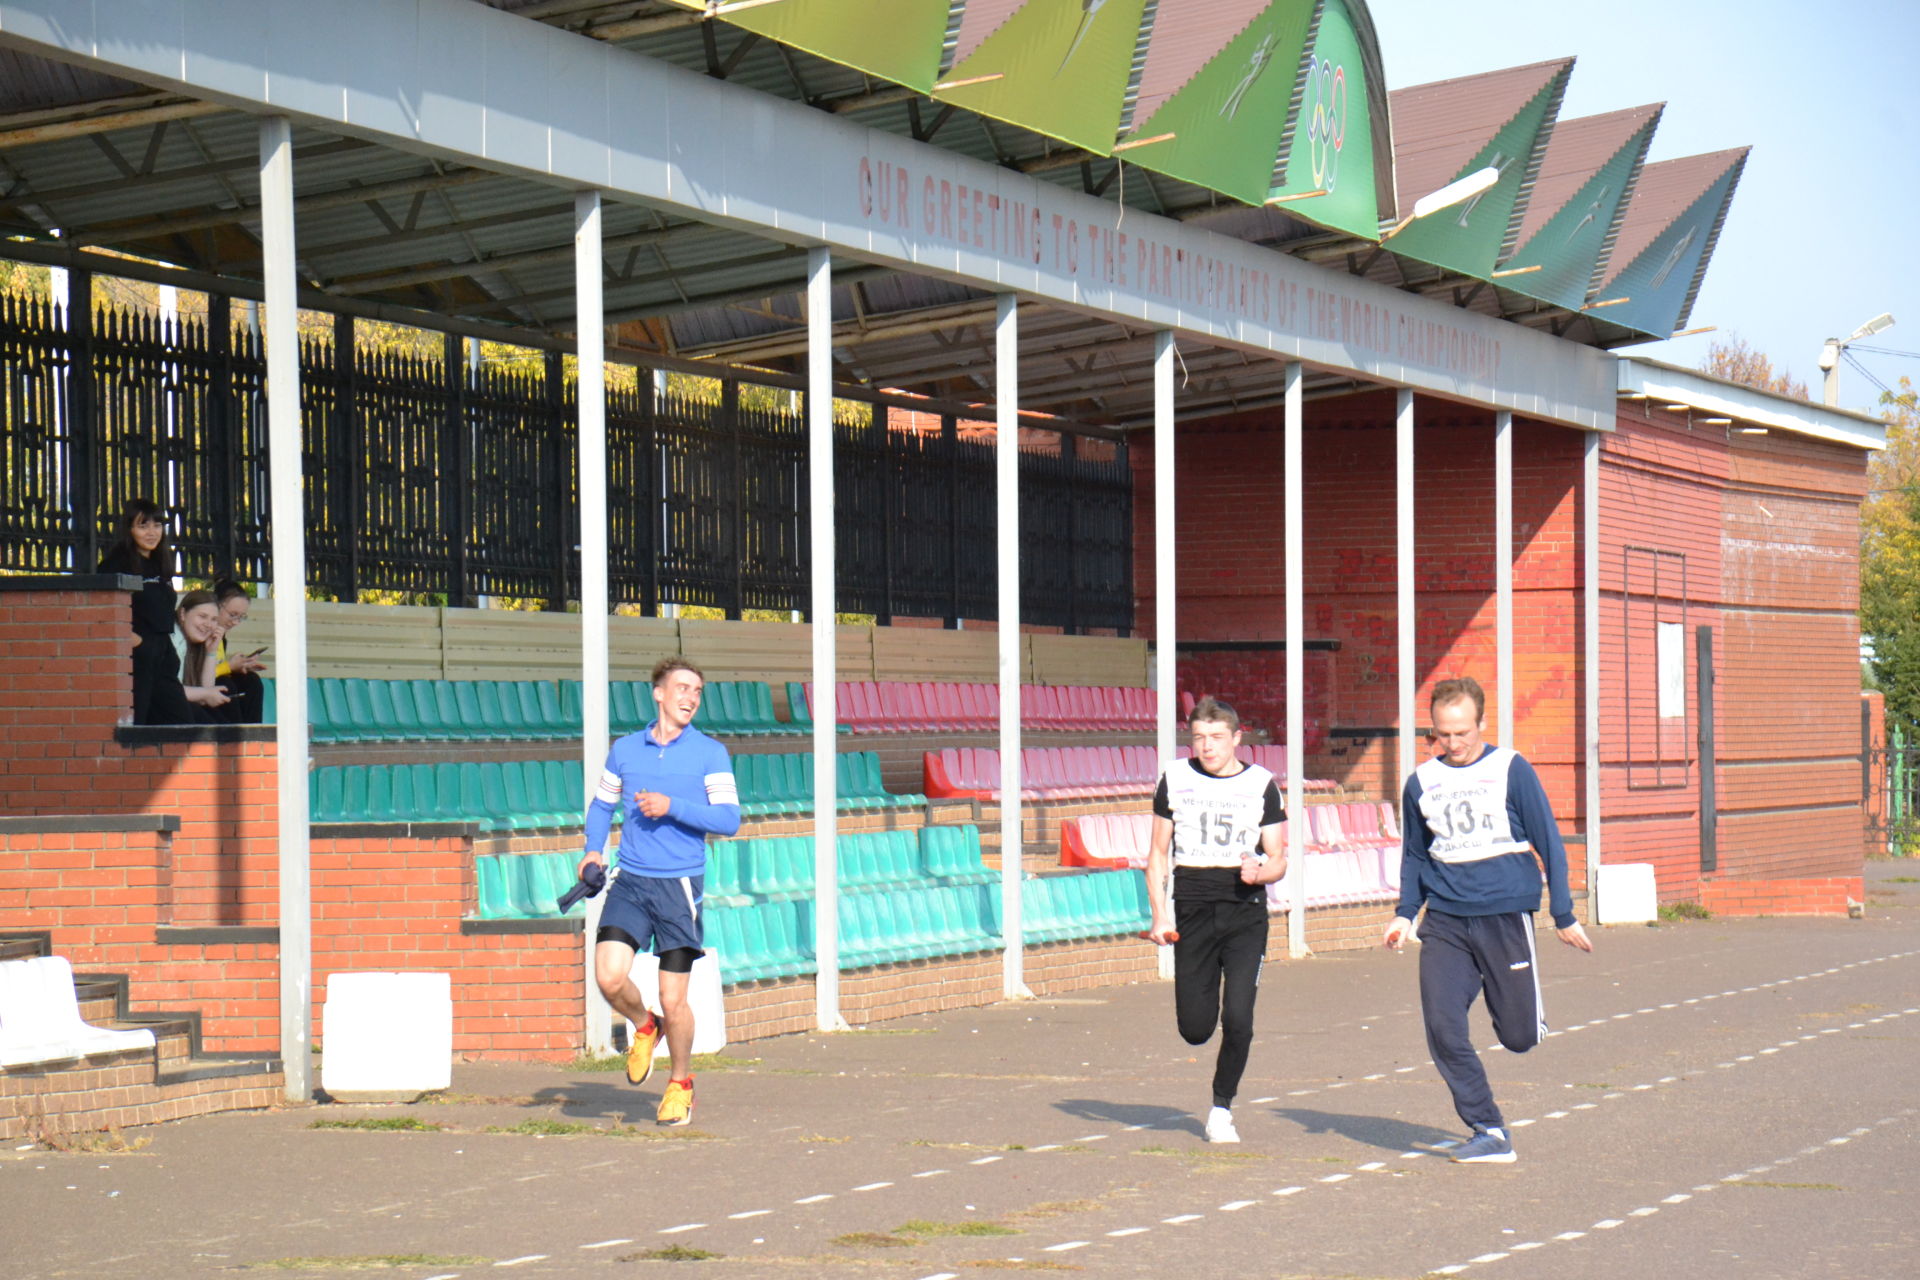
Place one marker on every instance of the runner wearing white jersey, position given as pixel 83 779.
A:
pixel 1216 822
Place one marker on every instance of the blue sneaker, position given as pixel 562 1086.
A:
pixel 1486 1146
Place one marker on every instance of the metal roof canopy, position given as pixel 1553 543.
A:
pixel 552 106
pixel 1655 381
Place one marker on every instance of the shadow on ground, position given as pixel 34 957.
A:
pixel 1101 1111
pixel 1383 1132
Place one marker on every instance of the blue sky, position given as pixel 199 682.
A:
pixel 1825 227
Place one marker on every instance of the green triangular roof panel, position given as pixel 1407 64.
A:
pixel 1666 241
pixel 1577 203
pixel 1335 165
pixel 897 40
pixel 1058 67
pixel 1221 125
pixel 1436 122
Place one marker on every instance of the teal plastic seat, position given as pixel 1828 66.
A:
pixel 573 715
pixel 270 705
pixel 379 804
pixel 383 724
pixel 628 707
pixel 491 888
pixel 324 797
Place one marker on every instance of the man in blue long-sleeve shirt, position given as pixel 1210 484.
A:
pixel 1472 820
pixel 679 788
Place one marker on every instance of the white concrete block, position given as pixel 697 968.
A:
pixel 1627 894
pixel 703 993
pixel 387 1034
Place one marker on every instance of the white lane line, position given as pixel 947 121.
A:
pixel 873 1186
pixel 1449 1271
pixel 1556 1115
pixel 986 1160
pixel 929 1173
pixel 1571 1235
pixel 1179 1218
pixel 1521 1124
pixel 685 1226
pixel 750 1213
pixel 1071 1244
pixel 1334 1177
pixel 1257 1101
pixel 1051 1146
pixel 1094 1137
pixel 1294 1191
pixel 1235 1206
pixel 1646 1212
pixel 1606 1224
pixel 1486 1257
pixel 815 1199
pixel 533 1177
pixel 1402 1070
pixel 514 1262
pixel 608 1244
pixel 942 1275
pixel 1129 1231
pixel 1678 1197
pixel 1531 1244
pixel 1371 1165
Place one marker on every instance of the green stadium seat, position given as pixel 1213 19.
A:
pixel 573 712
pixel 797 710
pixel 270 704
pixel 492 888
pixel 726 875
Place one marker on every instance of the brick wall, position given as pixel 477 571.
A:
pixel 1230 482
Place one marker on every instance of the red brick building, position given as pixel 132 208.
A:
pixel 1719 507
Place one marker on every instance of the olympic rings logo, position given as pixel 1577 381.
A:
pixel 1326 122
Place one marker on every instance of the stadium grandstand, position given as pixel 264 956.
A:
pixel 960 395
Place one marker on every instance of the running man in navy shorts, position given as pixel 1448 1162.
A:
pixel 678 787
pixel 1476 830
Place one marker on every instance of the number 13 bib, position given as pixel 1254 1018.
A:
pixel 1465 808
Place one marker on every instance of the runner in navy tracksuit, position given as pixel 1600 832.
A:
pixel 1472 820
pixel 678 787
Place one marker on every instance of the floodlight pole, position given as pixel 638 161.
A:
pixel 826 707
pixel 287 509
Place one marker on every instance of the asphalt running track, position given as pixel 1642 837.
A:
pixel 1732 1098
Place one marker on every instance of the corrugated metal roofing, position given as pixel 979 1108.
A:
pixel 1666 189
pixel 979 19
pixel 1186 34
pixel 28 83
pixel 1577 149
pixel 1439 127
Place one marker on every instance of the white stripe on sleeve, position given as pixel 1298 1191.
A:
pixel 722 789
pixel 609 788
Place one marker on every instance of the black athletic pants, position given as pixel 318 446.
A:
pixel 1216 974
pixel 1461 956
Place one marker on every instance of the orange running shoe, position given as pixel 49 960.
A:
pixel 640 1052
pixel 676 1107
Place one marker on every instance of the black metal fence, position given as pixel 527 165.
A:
pixel 423 476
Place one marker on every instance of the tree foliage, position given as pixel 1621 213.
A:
pixel 1890 557
pixel 1737 361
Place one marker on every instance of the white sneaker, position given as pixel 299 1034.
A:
pixel 1220 1126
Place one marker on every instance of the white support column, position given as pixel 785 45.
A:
pixel 595 720
pixel 1167 709
pixel 1409 659
pixel 1296 594
pixel 1166 715
pixel 1590 658
pixel 1006 452
pixel 288 536
pixel 826 709
pixel 1503 569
